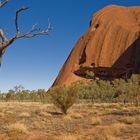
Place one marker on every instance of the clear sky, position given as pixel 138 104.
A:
pixel 35 63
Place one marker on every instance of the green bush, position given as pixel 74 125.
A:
pixel 119 90
pixel 81 88
pixel 89 74
pixel 63 97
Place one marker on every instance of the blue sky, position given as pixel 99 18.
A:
pixel 35 63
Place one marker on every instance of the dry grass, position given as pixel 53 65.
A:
pixel 76 115
pixel 104 136
pixel 44 114
pixel 67 118
pixel 24 115
pixel 115 129
pixel 67 137
pixel 110 132
pixel 9 112
pixel 129 120
pixel 35 121
pixel 16 128
pixel 95 121
pixel 2 114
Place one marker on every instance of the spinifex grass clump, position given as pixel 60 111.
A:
pixel 63 97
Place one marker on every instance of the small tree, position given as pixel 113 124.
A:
pixel 63 97
pixel 81 89
pixel 10 95
pixel 42 95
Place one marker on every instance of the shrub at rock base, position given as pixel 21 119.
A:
pixel 63 97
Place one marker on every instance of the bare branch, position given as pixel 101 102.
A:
pixel 35 31
pixel 3 2
pixel 16 19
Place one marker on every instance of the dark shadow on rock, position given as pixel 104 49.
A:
pixel 126 65
pixel 130 59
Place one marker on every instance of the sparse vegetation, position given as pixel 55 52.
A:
pixel 63 97
pixel 117 91
pixel 95 121
pixel 111 123
pixel 16 128
pixel 18 93
pixel 24 115
pixel 98 110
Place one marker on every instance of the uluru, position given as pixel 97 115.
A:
pixel 110 48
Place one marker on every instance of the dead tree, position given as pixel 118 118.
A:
pixel 34 31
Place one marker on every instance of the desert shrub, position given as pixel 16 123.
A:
pixel 95 91
pixel 86 90
pixel 63 97
pixel 106 91
pixel 89 74
pixel 135 78
pixel 121 89
pixel 118 90
pixel 128 91
pixel 81 89
pixel 18 93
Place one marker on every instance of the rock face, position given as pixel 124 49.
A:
pixel 111 45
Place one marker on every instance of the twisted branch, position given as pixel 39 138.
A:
pixel 16 18
pixel 35 31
